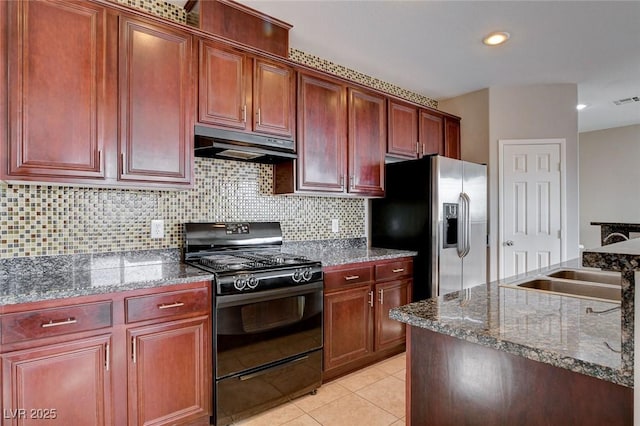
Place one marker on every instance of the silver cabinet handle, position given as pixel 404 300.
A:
pixel 508 243
pixel 371 298
pixel 53 323
pixel 106 356
pixel 395 271
pixel 424 149
pixel 244 113
pixel 351 277
pixel 418 148
pixel 171 305
pixel 133 350
pixel 351 181
pixel 381 298
pixel 259 118
pixel 342 182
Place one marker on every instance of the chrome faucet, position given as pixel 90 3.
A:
pixel 614 234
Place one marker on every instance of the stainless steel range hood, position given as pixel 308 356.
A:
pixel 230 145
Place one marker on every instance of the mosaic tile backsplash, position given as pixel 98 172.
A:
pixel 40 220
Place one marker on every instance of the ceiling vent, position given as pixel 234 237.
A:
pixel 627 100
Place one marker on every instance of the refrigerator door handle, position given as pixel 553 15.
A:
pixel 464 225
pixel 460 243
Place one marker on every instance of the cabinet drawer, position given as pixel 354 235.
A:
pixel 169 304
pixel 347 277
pixel 55 322
pixel 398 269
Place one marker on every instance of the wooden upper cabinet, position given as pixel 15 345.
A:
pixel 223 89
pixel 57 88
pixel 156 124
pixel 322 134
pixel 244 93
pixel 273 98
pixel 367 140
pixel 452 137
pixel 403 130
pixel 431 133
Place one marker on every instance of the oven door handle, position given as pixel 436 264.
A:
pixel 270 369
pixel 261 296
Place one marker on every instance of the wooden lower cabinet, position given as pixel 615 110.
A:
pixel 139 357
pixel 168 372
pixel 357 328
pixel 388 332
pixel 60 384
pixel 347 326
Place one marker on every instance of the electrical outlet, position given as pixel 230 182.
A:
pixel 335 225
pixel 157 228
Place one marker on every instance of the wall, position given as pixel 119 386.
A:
pixel 522 112
pixel 535 112
pixel 609 176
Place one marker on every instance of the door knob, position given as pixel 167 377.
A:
pixel 508 243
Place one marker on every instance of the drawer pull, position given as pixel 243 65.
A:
pixel 53 323
pixel 351 277
pixel 171 305
pixel 398 270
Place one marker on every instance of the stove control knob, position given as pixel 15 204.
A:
pixel 297 276
pixel 239 283
pixel 306 274
pixel 252 282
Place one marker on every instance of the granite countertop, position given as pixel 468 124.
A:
pixel 543 327
pixel 342 252
pixel 59 277
pixel 34 279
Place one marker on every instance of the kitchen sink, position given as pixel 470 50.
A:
pixel 567 287
pixel 599 277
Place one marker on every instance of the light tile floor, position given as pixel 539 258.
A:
pixel 374 396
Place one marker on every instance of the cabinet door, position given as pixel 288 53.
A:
pixel 403 130
pixel 169 372
pixel 389 295
pixel 64 384
pixel 156 125
pixel 57 88
pixel 347 326
pixel 224 90
pixel 367 141
pixel 452 137
pixel 322 135
pixel 273 98
pixel 431 136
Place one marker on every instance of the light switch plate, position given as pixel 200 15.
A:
pixel 157 228
pixel 335 225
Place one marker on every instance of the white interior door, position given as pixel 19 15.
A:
pixel 531 191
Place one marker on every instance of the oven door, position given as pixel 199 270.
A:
pixel 253 330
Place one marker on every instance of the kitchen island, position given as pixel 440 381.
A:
pixel 498 354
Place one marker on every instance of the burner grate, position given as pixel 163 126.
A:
pixel 248 261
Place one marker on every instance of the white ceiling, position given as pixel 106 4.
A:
pixel 434 47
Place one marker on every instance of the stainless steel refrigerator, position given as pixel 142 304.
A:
pixel 436 206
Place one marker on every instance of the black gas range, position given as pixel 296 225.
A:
pixel 268 310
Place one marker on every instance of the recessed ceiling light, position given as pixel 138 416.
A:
pixel 496 38
pixel 581 106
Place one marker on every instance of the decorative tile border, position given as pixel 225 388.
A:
pixel 158 8
pixel 40 220
pixel 344 72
